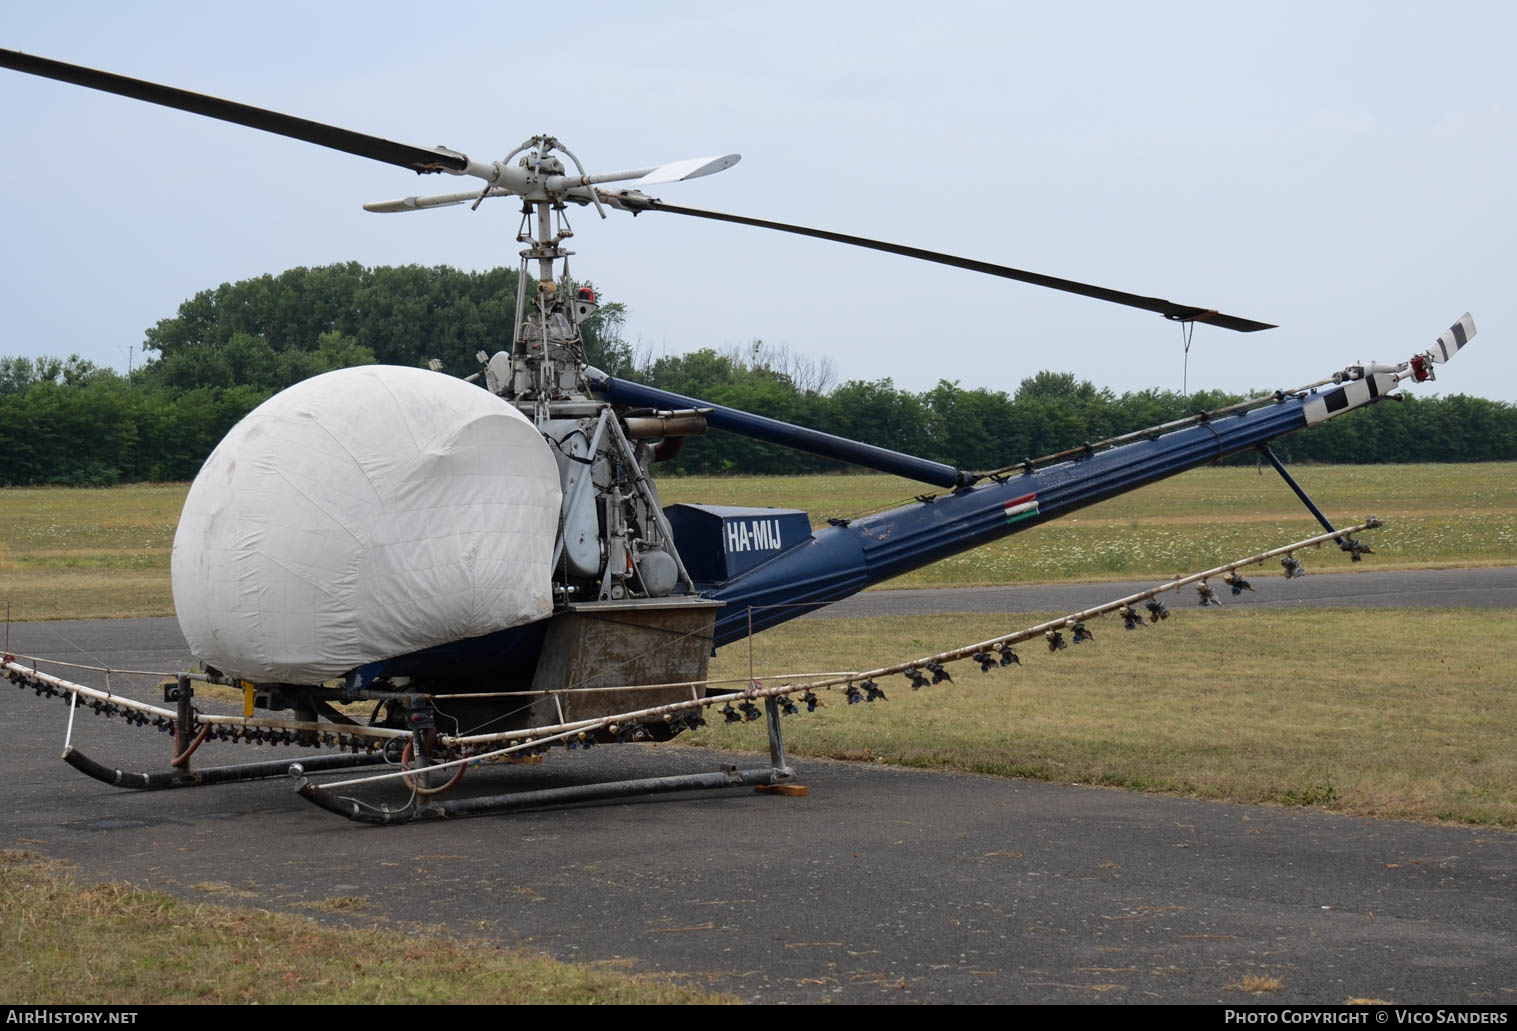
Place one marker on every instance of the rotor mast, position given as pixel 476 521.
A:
pixel 547 354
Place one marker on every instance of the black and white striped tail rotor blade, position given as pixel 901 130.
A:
pixel 1452 339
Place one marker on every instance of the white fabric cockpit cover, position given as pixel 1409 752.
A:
pixel 360 515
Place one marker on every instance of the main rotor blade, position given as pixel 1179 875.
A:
pixel 1169 309
pixel 418 159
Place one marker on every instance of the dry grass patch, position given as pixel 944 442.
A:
pixel 340 904
pixel 223 889
pixel 85 594
pixel 67 942
pixel 1404 713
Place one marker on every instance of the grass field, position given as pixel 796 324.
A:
pixel 1405 713
pixel 1438 516
pixel 95 553
pixel 67 553
pixel 63 942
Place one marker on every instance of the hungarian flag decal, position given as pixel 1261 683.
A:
pixel 1021 508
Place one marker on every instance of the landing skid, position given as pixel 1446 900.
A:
pixel 777 773
pixel 215 774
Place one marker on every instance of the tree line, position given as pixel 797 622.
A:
pixel 66 421
pixel 977 428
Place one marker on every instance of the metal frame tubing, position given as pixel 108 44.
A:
pixel 758 427
pixel 1290 480
pixel 184 727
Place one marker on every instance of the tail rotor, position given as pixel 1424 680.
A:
pixel 1445 347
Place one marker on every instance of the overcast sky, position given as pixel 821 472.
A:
pixel 1343 170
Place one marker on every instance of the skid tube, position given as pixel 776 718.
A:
pixel 729 776
pixel 216 774
pixel 185 743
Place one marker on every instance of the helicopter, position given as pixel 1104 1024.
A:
pixel 486 560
